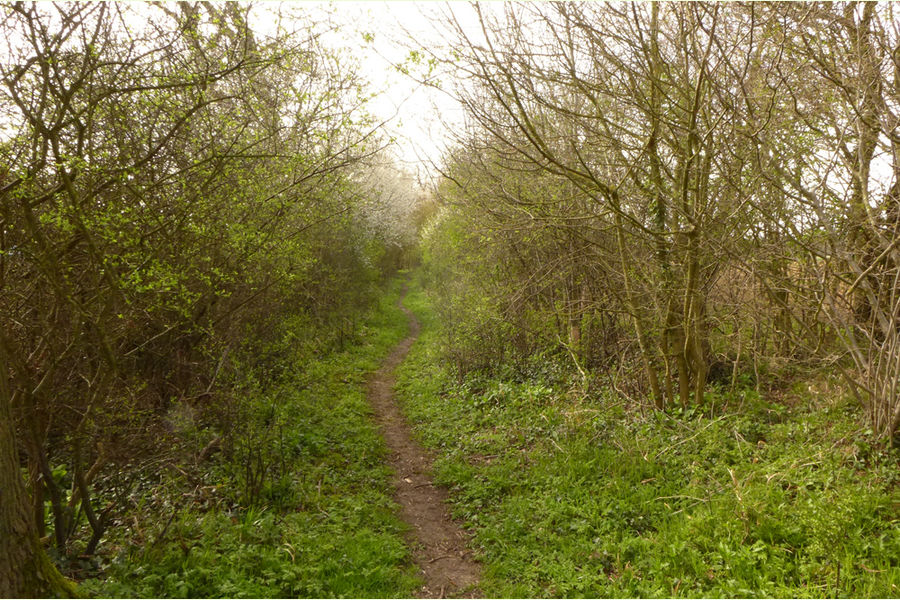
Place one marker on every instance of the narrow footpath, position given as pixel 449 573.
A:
pixel 438 544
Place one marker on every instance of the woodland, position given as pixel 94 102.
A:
pixel 650 296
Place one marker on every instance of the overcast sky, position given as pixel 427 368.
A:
pixel 417 115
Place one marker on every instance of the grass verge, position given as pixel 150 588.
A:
pixel 570 495
pixel 298 505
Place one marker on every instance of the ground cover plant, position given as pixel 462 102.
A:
pixel 661 249
pixel 300 507
pixel 574 494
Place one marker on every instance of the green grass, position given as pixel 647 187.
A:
pixel 577 496
pixel 303 506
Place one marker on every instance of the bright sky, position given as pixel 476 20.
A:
pixel 418 116
pixel 420 113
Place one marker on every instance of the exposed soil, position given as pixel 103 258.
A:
pixel 438 543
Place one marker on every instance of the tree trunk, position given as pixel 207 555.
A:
pixel 25 569
pixel 639 331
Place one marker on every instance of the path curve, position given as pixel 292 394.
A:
pixel 438 544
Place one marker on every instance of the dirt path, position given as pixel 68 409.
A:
pixel 438 544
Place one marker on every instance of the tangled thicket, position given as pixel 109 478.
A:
pixel 678 195
pixel 176 189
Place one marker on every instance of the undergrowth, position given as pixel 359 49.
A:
pixel 576 495
pixel 297 504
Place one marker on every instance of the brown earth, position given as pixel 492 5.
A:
pixel 438 543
